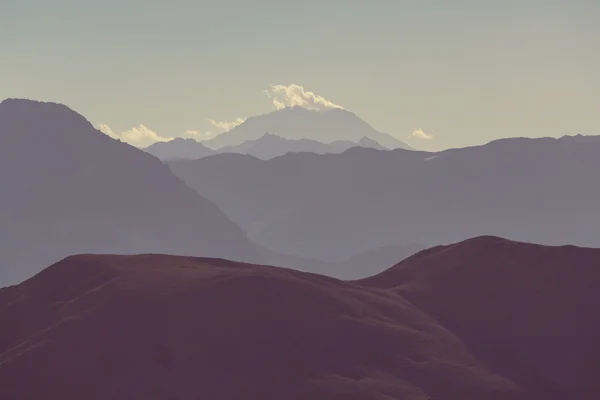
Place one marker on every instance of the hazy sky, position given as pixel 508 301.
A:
pixel 465 72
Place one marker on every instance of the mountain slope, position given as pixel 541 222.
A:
pixel 270 146
pixel 336 206
pixel 529 311
pixel 67 188
pixel 300 123
pixel 266 147
pixel 375 261
pixel 165 327
pixel 179 149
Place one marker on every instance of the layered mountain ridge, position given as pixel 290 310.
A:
pixel 67 188
pixel 484 318
pixel 336 206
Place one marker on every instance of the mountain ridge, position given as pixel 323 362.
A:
pixel 522 189
pixel 482 318
pixel 297 123
pixel 316 337
pixel 265 147
pixel 523 308
pixel 70 188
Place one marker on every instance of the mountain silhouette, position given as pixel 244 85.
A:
pixel 300 123
pixel 336 206
pixel 528 311
pixel 486 318
pixel 272 145
pixel 266 147
pixel 167 327
pixel 67 188
pixel 179 149
pixel 374 261
pixel 581 138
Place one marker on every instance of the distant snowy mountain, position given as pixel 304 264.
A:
pixel 300 123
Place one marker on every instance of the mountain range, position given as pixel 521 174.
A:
pixel 67 188
pixel 486 318
pixel 179 149
pixel 266 147
pixel 161 290
pixel 336 206
pixel 300 123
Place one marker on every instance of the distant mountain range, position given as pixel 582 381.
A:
pixel 71 189
pixel 299 123
pixel 266 147
pixel 336 206
pixel 482 318
pixel 486 318
pixel 68 188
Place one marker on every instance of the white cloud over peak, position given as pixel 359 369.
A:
pixel 292 95
pixel 142 136
pixel 225 125
pixel 282 96
pixel 420 134
pixel 139 136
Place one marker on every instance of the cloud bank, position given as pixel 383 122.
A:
pixel 282 96
pixel 294 95
pixel 142 136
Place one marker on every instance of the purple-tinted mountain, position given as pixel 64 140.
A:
pixel 299 123
pixel 530 312
pixel 266 147
pixel 271 145
pixel 581 138
pixel 179 149
pixel 336 206
pixel 67 188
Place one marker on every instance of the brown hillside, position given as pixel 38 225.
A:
pixel 166 327
pixel 530 311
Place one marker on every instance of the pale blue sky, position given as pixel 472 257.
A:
pixel 465 71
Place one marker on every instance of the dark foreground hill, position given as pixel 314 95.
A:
pixel 482 319
pixel 528 311
pixel 180 328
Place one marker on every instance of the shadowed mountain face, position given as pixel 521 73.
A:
pixel 67 188
pixel 166 327
pixel 300 123
pixel 266 147
pixel 530 312
pixel 338 205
